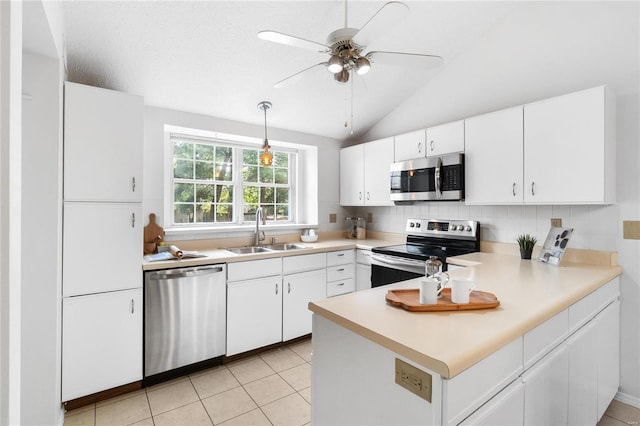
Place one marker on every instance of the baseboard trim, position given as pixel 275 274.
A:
pixel 628 399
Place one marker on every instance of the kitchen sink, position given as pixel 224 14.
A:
pixel 248 250
pixel 285 246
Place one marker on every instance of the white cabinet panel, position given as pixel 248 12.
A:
pixel 445 138
pixel 506 408
pixel 254 314
pixel 569 148
pixel 101 342
pixel 352 176
pixel 237 271
pixel 545 337
pixel 103 133
pixel 340 272
pixel 410 145
pixel 363 276
pixel 298 291
pixel 364 174
pixel 305 262
pixel 340 257
pixel 99 234
pixel 608 354
pixel 494 142
pixel 336 288
pixel 583 377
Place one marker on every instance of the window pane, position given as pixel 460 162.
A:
pixel 204 213
pixel 224 155
pixel 224 172
pixel 268 212
pixel 281 159
pixel 282 212
pixel 251 195
pixel 250 156
pixel 183 169
pixel 282 175
pixel 224 213
pixel 282 195
pixel 205 193
pixel 182 150
pixel 183 213
pixel 224 193
pixel 266 195
pixel 250 212
pixel 266 174
pixel 183 192
pixel 204 152
pixel 250 173
pixel 204 171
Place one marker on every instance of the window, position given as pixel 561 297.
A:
pixel 221 183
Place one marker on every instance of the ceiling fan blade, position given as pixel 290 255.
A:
pixel 297 76
pixel 388 15
pixel 289 40
pixel 411 60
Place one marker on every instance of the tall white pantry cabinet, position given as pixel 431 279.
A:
pixel 102 240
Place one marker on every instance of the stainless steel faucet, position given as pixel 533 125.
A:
pixel 259 235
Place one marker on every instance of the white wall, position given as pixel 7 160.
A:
pixel 540 50
pixel 153 189
pixel 41 234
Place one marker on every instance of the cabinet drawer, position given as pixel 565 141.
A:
pixel 340 272
pixel 583 310
pixel 545 337
pixel 305 262
pixel 363 256
pixel 340 257
pixel 254 269
pixel 608 293
pixel 335 288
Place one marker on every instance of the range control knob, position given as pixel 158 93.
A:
pixel 417 224
pixel 468 228
pixel 411 224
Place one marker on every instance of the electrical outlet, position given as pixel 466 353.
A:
pixel 556 222
pixel 413 379
pixel 332 218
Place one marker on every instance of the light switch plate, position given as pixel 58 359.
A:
pixel 631 229
pixel 556 222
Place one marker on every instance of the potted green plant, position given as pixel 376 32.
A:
pixel 526 243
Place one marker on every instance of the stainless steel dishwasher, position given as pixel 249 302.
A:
pixel 184 319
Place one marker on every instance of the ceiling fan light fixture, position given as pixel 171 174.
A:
pixel 266 159
pixel 362 65
pixel 342 76
pixel 335 64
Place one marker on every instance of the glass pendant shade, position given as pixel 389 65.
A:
pixel 342 76
pixel 335 64
pixel 266 159
pixel 363 66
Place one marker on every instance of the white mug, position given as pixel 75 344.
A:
pixel 430 289
pixel 460 290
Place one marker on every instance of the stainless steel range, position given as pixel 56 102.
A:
pixel 425 238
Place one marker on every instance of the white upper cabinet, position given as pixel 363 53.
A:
pixel 569 149
pixel 410 145
pixel 103 133
pixel 493 157
pixel 364 174
pixel 445 138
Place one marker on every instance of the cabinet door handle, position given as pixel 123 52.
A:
pixel 533 188
pixel 133 220
pixel 360 195
pixel 133 184
pixel 132 306
pixel 419 147
pixel 340 254
pixel 432 145
pixel 341 270
pixel 513 189
pixel 340 284
pixel 288 287
pixel 276 288
pixel 368 195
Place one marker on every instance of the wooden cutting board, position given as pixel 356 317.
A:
pixel 153 234
pixel 409 299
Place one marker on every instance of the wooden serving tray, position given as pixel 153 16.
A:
pixel 409 299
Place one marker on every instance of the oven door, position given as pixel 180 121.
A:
pixel 387 269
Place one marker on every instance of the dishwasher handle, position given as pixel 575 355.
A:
pixel 181 273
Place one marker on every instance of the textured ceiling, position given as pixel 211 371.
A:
pixel 205 57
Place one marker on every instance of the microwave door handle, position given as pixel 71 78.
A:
pixel 437 176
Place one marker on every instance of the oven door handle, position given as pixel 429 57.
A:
pixel 395 261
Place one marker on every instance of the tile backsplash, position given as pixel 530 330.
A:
pixel 595 227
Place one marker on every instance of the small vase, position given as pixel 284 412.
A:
pixel 525 254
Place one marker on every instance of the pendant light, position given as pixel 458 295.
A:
pixel 266 159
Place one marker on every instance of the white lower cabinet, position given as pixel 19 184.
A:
pixel 583 376
pixel 340 272
pixel 101 342
pixel 254 313
pixel 363 269
pixel 608 353
pixel 298 290
pixel 505 408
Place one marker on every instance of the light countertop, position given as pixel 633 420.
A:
pixel 223 256
pixel 530 292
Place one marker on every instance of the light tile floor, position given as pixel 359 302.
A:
pixel 271 388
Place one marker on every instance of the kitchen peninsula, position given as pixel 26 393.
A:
pixel 554 334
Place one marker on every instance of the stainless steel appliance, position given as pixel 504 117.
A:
pixel 184 320
pixel 428 179
pixel 425 238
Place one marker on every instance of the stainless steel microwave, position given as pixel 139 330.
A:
pixel 428 179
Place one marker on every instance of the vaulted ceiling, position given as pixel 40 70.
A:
pixel 205 57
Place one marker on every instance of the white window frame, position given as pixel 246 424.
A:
pixel 237 141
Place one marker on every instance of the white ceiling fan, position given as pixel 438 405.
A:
pixel 347 47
